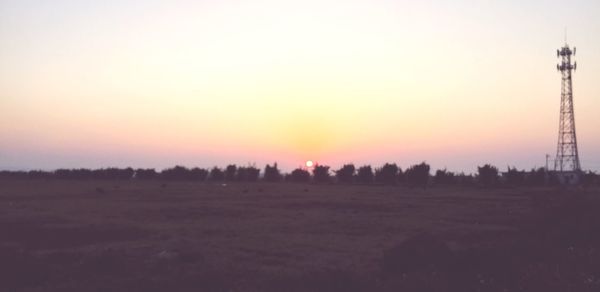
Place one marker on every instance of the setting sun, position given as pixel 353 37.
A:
pixel 309 163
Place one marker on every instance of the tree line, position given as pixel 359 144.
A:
pixel 418 175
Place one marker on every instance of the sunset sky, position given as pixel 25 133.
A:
pixel 203 83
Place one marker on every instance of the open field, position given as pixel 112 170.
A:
pixel 182 236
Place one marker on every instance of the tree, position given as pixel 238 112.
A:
pixel 216 174
pixel 515 177
pixel 148 173
pixel 346 173
pixel 417 175
pixel 199 174
pixel 444 177
pixel 299 175
pixel 272 173
pixel 248 173
pixel 536 177
pixel 487 175
pixel 321 174
pixel 387 174
pixel 230 172
pixel 365 175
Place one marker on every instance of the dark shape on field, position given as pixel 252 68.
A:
pixel 321 174
pixel 487 175
pixel 230 172
pixel 298 175
pixel 387 174
pixel 417 175
pixel 365 175
pixel 272 173
pixel 345 174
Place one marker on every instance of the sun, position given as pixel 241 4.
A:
pixel 309 163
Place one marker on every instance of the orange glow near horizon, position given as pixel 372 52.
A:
pixel 217 82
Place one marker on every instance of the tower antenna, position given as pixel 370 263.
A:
pixel 567 164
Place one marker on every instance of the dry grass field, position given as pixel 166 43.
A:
pixel 183 236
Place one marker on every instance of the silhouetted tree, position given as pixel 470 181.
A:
pixel 417 175
pixel 175 173
pixel 365 175
pixel 487 175
pixel 216 174
pixel 38 174
pixel 589 179
pixel 444 177
pixel 400 177
pixel 230 172
pixel 536 177
pixel 465 179
pixel 387 174
pixel 515 177
pixel 149 173
pixel 346 173
pixel 272 173
pixel 298 175
pixel 321 174
pixel 113 173
pixel 198 174
pixel 81 173
pixel 248 173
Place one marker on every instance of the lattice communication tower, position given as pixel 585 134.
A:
pixel 567 156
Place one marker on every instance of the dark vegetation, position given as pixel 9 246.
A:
pixel 418 175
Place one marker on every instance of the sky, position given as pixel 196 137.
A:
pixel 202 83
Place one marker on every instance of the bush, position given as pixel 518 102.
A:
pixel 487 175
pixel 346 173
pixel 321 174
pixel 387 174
pixel 417 175
pixel 365 175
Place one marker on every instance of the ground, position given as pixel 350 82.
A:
pixel 60 235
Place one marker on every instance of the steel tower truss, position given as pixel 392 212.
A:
pixel 567 156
